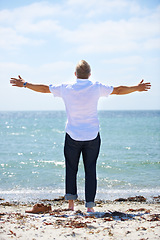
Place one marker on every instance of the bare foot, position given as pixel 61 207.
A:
pixel 90 210
pixel 71 205
pixel 40 208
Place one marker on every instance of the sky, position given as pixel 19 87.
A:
pixel 43 41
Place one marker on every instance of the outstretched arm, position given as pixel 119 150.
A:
pixel 18 82
pixel 141 87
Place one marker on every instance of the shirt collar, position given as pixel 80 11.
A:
pixel 82 80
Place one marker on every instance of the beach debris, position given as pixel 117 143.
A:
pixel 107 216
pixel 6 204
pixel 76 224
pixel 48 223
pixel 11 232
pixel 81 202
pixel 80 213
pixel 122 216
pixel 2 214
pixel 121 200
pixel 59 212
pixel 69 224
pixel 154 217
pixel 110 216
pixel 141 228
pixel 138 210
pixel 61 198
pixel 156 199
pixel 108 219
pixel 132 199
pixel 56 201
pixel 99 203
pixel 110 233
pixel 137 199
pixel 55 212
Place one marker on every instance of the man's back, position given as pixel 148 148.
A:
pixel 81 99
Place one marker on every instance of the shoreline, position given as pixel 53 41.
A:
pixel 119 219
pixel 136 198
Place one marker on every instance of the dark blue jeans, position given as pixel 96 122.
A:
pixel 90 151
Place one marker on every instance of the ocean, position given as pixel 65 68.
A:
pixel 32 163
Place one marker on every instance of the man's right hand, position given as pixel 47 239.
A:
pixel 143 87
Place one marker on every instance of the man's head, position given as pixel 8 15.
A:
pixel 83 70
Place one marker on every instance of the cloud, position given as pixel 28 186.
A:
pixel 151 44
pixel 30 12
pixel 96 8
pixel 119 35
pixel 11 39
pixel 130 60
pixel 12 69
pixel 57 66
pixel 34 24
pixel 43 26
pixel 18 24
pixel 103 5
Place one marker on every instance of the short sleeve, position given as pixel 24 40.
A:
pixel 105 90
pixel 55 90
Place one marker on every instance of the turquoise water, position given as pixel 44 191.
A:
pixel 32 161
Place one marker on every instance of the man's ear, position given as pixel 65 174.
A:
pixel 75 74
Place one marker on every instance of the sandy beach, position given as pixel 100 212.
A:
pixel 133 218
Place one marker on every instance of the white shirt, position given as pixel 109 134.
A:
pixel 81 100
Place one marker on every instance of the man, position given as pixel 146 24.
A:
pixel 82 128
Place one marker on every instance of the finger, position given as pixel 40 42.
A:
pixel 12 81
pixel 148 85
pixel 147 88
pixel 19 77
pixel 141 81
pixel 14 84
